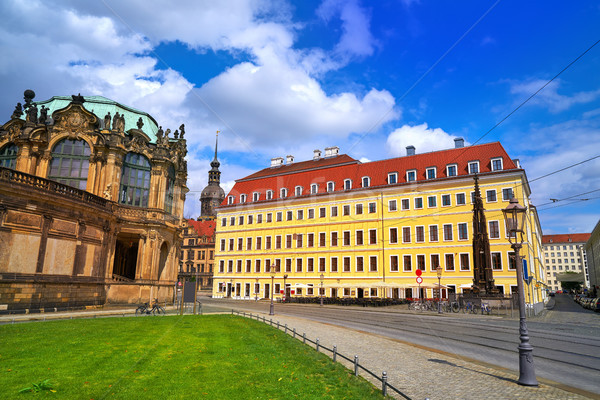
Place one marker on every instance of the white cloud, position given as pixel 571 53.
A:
pixel 549 96
pixel 421 136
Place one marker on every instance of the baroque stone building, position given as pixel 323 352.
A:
pixel 91 204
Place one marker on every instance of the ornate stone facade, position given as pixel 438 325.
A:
pixel 90 211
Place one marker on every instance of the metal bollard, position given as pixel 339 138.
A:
pixel 334 353
pixel 384 383
pixel 294 333
pixel 355 365
pixel 303 336
pixel 317 345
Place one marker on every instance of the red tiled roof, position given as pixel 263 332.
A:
pixel 203 227
pixel 301 166
pixel 348 168
pixel 564 238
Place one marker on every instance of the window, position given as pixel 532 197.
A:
pixel 322 264
pixel 298 190
pixel 372 236
pixel 223 221
pixel 421 262
pixel 230 199
pixel 418 203
pixel 512 261
pixel 334 211
pixel 372 208
pixel 278 241
pixel 269 194
pixel 406 234
pixel 170 189
pixel 462 231
pixel 70 164
pixel 433 233
pixel 310 240
pixel 393 235
pixel 394 263
pixel 258 243
pixel 359 238
pixel 373 263
pixel 330 186
pixel 334 264
pixel 248 265
pixel 314 188
pixel 288 265
pixel 299 238
pixel 507 194
pixel 300 214
pixel 230 266
pixel 346 238
pixel 322 239
pixel 288 241
pixel 311 213
pixel 491 196
pixel 449 262
pixel 359 264
pixel 464 262
pixel 392 205
pixel 446 202
pixel 259 218
pixel 472 197
pixel 243 198
pixel 497 261
pixel 405 204
pixel 239 266
pixel 334 239
pixel 249 243
pixel 241 219
pixel 474 167
pixel 255 196
pixel 358 208
pixel 460 199
pixel 240 244
pixel 431 201
pixel 447 232
pixel 420 234
pixel 267 242
pixel 283 193
pixel 269 217
pixel 494 229
pixel 407 263
pixel 411 175
pixel 298 265
pixel 451 170
pixel 496 164
pixel 322 212
pixel 8 156
pixel 222 244
pixel 430 173
pixel 250 218
pixel 366 181
pixel 279 216
pixel 222 266
pixel 346 209
pixel 231 243
pixel 393 178
pixel 435 261
pixel 310 265
pixel 347 184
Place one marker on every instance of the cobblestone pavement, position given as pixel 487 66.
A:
pixel 422 373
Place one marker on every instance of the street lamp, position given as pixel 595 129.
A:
pixel 514 216
pixel 272 307
pixel 284 288
pixel 439 275
pixel 321 290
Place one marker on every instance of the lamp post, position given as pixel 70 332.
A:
pixel 284 288
pixel 256 290
pixel 272 307
pixel 514 216
pixel 321 290
pixel 439 275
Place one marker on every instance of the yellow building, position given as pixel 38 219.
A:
pixel 363 229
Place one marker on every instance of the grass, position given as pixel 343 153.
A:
pixel 193 357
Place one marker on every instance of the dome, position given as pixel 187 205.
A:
pixel 213 192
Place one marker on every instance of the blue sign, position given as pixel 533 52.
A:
pixel 525 274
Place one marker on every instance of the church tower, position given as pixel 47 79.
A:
pixel 213 194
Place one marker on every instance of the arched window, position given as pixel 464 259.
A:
pixel 170 189
pixel 135 180
pixel 8 156
pixel 70 163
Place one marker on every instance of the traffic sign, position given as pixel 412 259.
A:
pixel 419 279
pixel 418 272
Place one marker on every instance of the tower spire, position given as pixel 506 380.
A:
pixel 213 194
pixel 216 145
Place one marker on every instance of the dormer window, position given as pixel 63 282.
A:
pixel 411 175
pixel 451 170
pixel 314 188
pixel 430 173
pixel 283 193
pixel 255 196
pixel 474 167
pixel 497 164
pixel 269 195
pixel 243 198
pixel 230 199
pixel 330 186
pixel 392 178
pixel 347 184
pixel 366 181
pixel 298 190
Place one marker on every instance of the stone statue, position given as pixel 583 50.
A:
pixel 107 194
pixel 77 99
pixel 121 123
pixel 182 130
pixel 115 126
pixel 166 138
pixel 107 119
pixel 32 114
pixel 18 112
pixel 176 134
pixel 159 135
pixel 43 115
pixel 140 123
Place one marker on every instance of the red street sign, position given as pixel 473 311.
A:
pixel 293 292
pixel 419 279
pixel 281 292
pixel 418 272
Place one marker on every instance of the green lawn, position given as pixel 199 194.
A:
pixel 210 357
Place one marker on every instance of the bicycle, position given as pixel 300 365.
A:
pixel 454 307
pixel 470 308
pixel 485 308
pixel 145 309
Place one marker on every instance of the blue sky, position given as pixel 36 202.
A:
pixel 371 77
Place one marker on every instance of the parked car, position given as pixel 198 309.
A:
pixel 551 294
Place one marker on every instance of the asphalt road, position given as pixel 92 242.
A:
pixel 566 340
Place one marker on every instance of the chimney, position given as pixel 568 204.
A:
pixel 459 142
pixel 332 151
pixel 289 160
pixel 276 162
pixel 410 150
pixel 316 154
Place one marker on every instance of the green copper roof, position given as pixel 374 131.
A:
pixel 100 106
